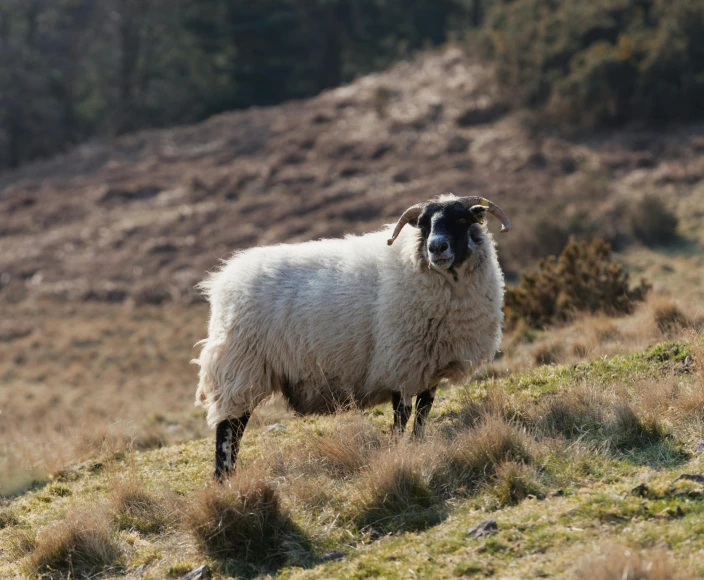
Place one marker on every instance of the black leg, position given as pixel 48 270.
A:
pixel 401 412
pixel 424 402
pixel 228 435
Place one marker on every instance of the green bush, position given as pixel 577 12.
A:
pixel 604 61
pixel 583 279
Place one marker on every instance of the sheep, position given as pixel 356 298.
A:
pixel 347 322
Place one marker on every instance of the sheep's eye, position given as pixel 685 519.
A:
pixel 462 221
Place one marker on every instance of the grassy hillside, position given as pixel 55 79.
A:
pixel 101 247
pixel 581 466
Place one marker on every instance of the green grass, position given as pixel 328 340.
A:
pixel 546 453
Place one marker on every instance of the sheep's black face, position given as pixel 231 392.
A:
pixel 449 233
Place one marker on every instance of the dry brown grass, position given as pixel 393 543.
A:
pixel 548 354
pixel 242 520
pixel 8 517
pixel 611 417
pixel 571 413
pixel 621 563
pixel 346 449
pixel 669 318
pixel 515 482
pixel 91 380
pixel 82 544
pixel 474 456
pixel 133 507
pixel 395 492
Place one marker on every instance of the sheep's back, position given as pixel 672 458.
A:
pixel 304 311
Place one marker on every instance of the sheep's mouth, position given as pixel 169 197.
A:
pixel 442 263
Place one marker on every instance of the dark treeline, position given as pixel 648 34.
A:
pixel 74 69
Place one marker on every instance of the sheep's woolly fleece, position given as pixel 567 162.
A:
pixel 334 321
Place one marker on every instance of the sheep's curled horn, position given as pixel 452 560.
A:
pixel 415 210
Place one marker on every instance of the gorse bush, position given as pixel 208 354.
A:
pixel 595 63
pixel 583 279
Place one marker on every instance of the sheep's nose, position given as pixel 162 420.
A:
pixel 438 246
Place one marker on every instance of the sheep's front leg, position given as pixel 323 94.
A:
pixel 228 435
pixel 402 412
pixel 424 402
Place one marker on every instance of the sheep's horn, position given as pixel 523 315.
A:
pixel 492 208
pixel 408 216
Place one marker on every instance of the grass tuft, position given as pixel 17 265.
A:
pixel 669 319
pixel 134 508
pixel 473 458
pixel 515 482
pixel 240 520
pixel 8 518
pixel 628 430
pixel 347 448
pixel 571 413
pixel 395 493
pixel 82 544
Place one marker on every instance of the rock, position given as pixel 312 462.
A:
pixel 332 556
pixel 484 529
pixel 200 573
pixel 276 427
pixel 700 446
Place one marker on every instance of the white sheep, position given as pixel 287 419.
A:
pixel 352 321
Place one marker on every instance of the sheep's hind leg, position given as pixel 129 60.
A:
pixel 228 435
pixel 424 402
pixel 401 412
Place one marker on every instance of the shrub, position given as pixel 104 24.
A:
pixel 652 222
pixel 583 279
pixel 81 545
pixel 241 520
pixel 596 63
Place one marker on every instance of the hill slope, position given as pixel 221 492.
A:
pixel 583 470
pixel 144 216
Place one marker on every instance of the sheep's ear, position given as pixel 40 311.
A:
pixel 478 213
